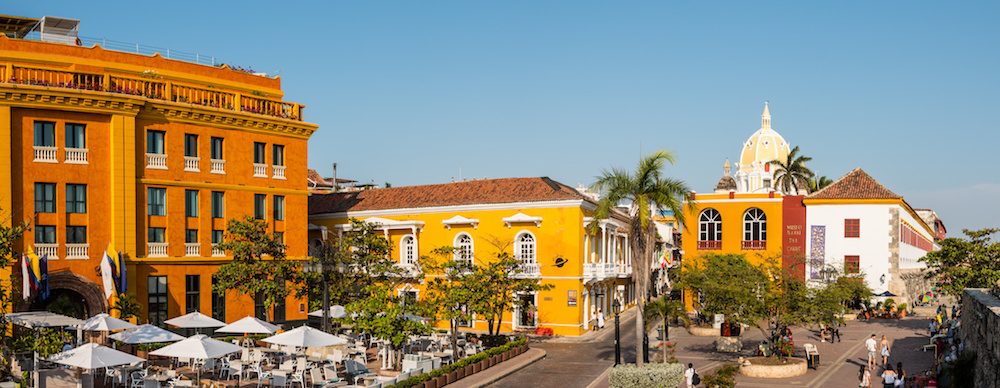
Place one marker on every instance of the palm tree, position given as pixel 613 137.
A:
pixel 668 310
pixel 818 183
pixel 646 189
pixel 792 173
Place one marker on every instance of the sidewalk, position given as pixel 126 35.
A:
pixel 501 370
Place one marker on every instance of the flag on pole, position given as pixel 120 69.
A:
pixel 25 285
pixel 106 272
pixel 43 277
pixel 123 283
pixel 34 271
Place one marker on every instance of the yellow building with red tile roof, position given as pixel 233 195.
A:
pixel 539 221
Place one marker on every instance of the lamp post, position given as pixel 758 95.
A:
pixel 318 267
pixel 618 348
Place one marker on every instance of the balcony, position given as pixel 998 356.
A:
pixel 610 271
pixel 279 172
pixel 192 249
pixel 47 249
pixel 589 272
pixel 76 156
pixel 529 271
pixel 156 161
pixel 216 252
pixel 77 251
pixel 191 164
pixel 709 245
pixel 259 170
pixel 754 245
pixel 152 86
pixel 46 154
pixel 218 166
pixel 157 249
pixel 624 270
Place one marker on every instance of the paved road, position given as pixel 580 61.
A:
pixel 576 364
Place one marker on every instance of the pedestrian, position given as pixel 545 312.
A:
pixel 864 377
pixel 889 377
pixel 870 346
pixel 884 345
pixel 835 330
pixel 689 375
pixel 600 319
pixel 900 375
pixel 822 333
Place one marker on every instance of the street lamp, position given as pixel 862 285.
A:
pixel 617 306
pixel 318 267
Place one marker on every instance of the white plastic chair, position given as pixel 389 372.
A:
pixel 278 379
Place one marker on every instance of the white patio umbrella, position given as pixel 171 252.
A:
pixel 40 319
pixel 194 320
pixel 197 346
pixel 304 336
pixel 336 311
pixel 105 322
pixel 249 325
pixel 146 334
pixel 92 356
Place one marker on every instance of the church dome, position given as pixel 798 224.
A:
pixel 763 146
pixel 726 183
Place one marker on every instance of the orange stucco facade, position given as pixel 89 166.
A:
pixel 118 99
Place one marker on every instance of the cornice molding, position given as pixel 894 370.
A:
pixel 200 115
pixel 42 97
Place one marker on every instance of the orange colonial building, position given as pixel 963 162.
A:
pixel 153 156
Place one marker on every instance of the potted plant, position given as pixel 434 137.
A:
pixel 902 310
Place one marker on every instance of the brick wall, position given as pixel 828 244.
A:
pixel 981 334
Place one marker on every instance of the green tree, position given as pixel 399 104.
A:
pixel 494 283
pixel 8 234
pixel 449 297
pixel 669 311
pixel 388 316
pixel 818 183
pixel 792 174
pixel 973 262
pixel 646 189
pixel 127 306
pixel 258 267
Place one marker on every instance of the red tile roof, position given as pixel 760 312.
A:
pixel 856 184
pixel 315 179
pixel 487 191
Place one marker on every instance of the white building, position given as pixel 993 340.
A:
pixel 856 224
pixel 754 174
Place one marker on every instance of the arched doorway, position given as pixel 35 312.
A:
pixel 70 294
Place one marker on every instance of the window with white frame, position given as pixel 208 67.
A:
pixel 464 248
pixel 710 225
pixel 524 246
pixel 408 250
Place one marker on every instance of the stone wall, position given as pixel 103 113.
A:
pixel 913 285
pixel 981 334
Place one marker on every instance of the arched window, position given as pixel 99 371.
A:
pixel 464 247
pixel 408 250
pixel 710 229
pixel 754 229
pixel 524 247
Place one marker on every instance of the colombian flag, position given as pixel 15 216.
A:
pixel 113 271
pixel 34 269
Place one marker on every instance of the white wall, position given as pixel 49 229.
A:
pixel 872 246
pixel 908 254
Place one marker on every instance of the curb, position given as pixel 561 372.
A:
pixel 534 354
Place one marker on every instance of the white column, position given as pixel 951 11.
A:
pixel 604 244
pixel 586 248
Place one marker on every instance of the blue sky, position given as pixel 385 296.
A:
pixel 421 92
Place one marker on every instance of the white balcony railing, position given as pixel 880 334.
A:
pixel 76 156
pixel 47 249
pixel 216 252
pixel 279 172
pixel 157 249
pixel 529 271
pixel 589 271
pixel 260 170
pixel 77 251
pixel 192 249
pixel 624 270
pixel 191 163
pixel 608 271
pixel 46 154
pixel 218 166
pixel 156 161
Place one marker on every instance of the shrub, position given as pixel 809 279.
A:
pixel 901 307
pixel 490 341
pixel 723 377
pixel 649 375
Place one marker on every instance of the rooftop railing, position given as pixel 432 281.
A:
pixel 151 85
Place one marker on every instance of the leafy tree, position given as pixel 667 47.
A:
pixel 669 311
pixel 792 174
pixel 385 315
pixel 818 183
pixel 8 234
pixel 495 282
pixel 258 267
pixel 446 296
pixel 763 295
pixel 973 262
pixel 127 306
pixel 646 189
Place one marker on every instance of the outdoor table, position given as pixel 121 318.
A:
pixel 445 357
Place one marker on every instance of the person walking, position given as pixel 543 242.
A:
pixel 889 377
pixel 870 345
pixel 822 333
pixel 864 377
pixel 689 375
pixel 600 319
pixel 884 345
pixel 835 330
pixel 900 375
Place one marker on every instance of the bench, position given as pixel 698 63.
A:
pixel 812 355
